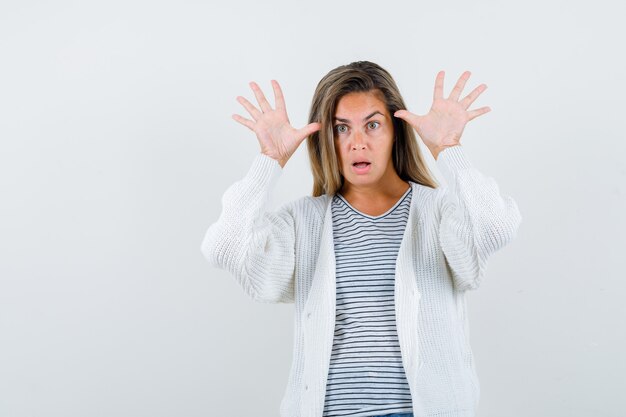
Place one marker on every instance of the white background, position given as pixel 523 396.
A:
pixel 117 144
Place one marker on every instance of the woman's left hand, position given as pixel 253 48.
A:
pixel 443 126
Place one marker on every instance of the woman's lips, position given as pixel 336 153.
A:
pixel 361 168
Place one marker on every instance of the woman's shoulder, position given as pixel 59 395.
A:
pixel 426 198
pixel 317 204
pixel 308 206
pixel 424 191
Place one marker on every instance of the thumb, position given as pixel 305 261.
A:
pixel 407 116
pixel 402 114
pixel 309 129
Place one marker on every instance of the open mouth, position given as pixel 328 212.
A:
pixel 360 164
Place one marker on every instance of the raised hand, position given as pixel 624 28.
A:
pixel 278 139
pixel 443 125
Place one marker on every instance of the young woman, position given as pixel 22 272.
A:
pixel 378 259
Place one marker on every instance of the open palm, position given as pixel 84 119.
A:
pixel 443 125
pixel 278 139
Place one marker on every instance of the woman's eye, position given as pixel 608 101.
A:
pixel 344 128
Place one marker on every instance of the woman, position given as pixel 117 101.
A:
pixel 378 259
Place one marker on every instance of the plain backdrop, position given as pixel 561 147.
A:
pixel 117 144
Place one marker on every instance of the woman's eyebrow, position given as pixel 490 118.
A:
pixel 364 119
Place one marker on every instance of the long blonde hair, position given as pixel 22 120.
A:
pixel 360 76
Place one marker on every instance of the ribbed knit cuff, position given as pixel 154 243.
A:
pixel 264 170
pixel 452 160
pixel 454 157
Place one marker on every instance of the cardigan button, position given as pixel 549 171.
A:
pixel 306 387
pixel 308 315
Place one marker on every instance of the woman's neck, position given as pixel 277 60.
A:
pixel 377 191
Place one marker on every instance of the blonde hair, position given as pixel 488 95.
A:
pixel 360 76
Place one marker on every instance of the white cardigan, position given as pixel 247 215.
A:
pixel 287 256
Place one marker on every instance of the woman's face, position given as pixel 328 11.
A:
pixel 363 131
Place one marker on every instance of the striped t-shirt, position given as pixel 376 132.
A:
pixel 366 376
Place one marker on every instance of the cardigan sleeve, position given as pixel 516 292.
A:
pixel 475 219
pixel 255 245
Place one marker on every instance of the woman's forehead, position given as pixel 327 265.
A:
pixel 360 104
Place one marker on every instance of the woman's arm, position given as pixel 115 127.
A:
pixel 475 219
pixel 253 244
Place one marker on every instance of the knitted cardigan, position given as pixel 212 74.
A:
pixel 287 256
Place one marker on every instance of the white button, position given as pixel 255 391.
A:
pixel 308 315
pixel 306 387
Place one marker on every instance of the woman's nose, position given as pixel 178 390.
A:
pixel 357 140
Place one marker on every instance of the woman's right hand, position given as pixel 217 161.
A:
pixel 278 139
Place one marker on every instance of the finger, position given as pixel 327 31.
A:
pixel 439 85
pixel 246 122
pixel 260 97
pixel 475 113
pixel 279 99
pixel 254 112
pixel 456 91
pixel 469 99
pixel 309 129
pixel 407 116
